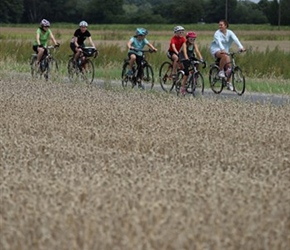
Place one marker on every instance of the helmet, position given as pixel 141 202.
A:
pixel 178 28
pixel 141 32
pixel 191 34
pixel 44 22
pixel 83 24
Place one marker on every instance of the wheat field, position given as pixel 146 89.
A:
pixel 107 169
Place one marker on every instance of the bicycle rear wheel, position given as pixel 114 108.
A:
pixel 126 80
pixel 148 77
pixel 216 83
pixel 239 82
pixel 165 76
pixel 196 84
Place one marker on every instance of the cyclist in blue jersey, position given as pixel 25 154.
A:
pixel 135 45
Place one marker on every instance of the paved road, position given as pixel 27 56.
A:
pixel 226 94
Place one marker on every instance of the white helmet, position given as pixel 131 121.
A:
pixel 83 24
pixel 178 28
pixel 44 22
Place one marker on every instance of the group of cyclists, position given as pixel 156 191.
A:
pixel 182 46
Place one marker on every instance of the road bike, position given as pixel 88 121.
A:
pixel 47 67
pixel 195 83
pixel 142 77
pixel 232 71
pixel 83 69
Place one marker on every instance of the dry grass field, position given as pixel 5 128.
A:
pixel 91 168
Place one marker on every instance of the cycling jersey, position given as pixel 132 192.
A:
pixel 138 45
pixel 81 36
pixel 43 37
pixel 224 41
pixel 178 41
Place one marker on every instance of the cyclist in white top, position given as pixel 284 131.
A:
pixel 223 39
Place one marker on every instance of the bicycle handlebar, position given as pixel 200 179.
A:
pixel 194 59
pixel 53 46
pixel 144 51
pixel 235 52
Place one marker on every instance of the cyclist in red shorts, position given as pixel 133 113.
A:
pixel 176 43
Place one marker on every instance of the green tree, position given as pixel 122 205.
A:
pixel 109 11
pixel 11 11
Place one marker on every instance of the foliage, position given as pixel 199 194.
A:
pixel 145 11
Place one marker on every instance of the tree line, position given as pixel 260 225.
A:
pixel 146 11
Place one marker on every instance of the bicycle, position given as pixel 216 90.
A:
pixel 195 82
pixel 238 80
pixel 142 73
pixel 83 68
pixel 48 65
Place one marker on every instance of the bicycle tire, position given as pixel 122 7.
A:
pixel 51 70
pixel 216 83
pixel 178 81
pixel 35 71
pixel 148 77
pixel 238 81
pixel 73 71
pixel 126 80
pixel 165 73
pixel 87 71
pixel 196 84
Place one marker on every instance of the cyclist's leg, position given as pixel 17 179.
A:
pixel 186 65
pixel 174 59
pixel 40 53
pixel 132 59
pixel 224 59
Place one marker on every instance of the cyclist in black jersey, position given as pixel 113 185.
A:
pixel 80 35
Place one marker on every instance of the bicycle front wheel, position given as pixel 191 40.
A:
pixel 88 71
pixel 51 70
pixel 165 76
pixel 126 80
pixel 216 83
pixel 197 84
pixel 148 77
pixel 239 82
pixel 73 71
pixel 35 70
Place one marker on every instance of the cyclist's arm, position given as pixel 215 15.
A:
pixel 91 42
pixel 53 39
pixel 151 47
pixel 184 49
pixel 38 39
pixel 197 52
pixel 174 49
pixel 129 44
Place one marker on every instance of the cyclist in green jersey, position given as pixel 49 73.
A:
pixel 43 34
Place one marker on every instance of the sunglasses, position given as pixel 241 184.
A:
pixel 46 26
pixel 191 39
